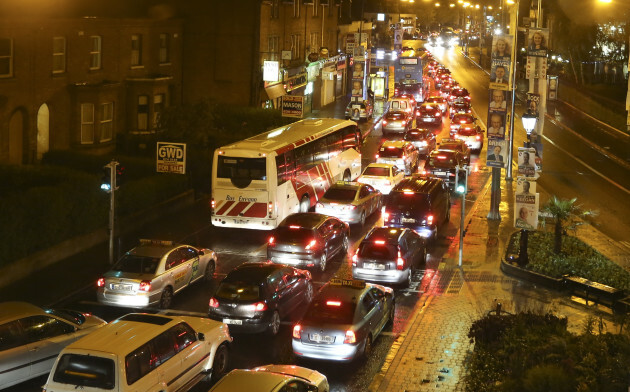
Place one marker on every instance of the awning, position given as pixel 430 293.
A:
pixel 275 91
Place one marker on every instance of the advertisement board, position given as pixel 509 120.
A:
pixel 171 157
pixel 293 106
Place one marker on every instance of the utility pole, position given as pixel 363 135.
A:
pixel 463 189
pixel 109 185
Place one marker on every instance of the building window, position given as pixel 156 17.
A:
pixel 59 54
pixel 136 50
pixel 296 53
pixel 143 113
pixel 275 9
pixel 165 48
pixel 315 42
pixel 158 108
pixel 296 8
pixel 107 121
pixel 315 8
pixel 273 48
pixel 87 123
pixel 6 57
pixel 95 52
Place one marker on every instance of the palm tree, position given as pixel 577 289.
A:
pixel 565 215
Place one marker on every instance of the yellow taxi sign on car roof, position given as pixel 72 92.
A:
pixel 145 241
pixel 357 284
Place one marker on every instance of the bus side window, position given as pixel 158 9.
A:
pixel 281 167
pixel 335 144
pixel 290 162
pixel 304 157
pixel 320 151
pixel 350 139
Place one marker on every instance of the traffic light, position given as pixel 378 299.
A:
pixel 120 171
pixel 106 180
pixel 461 188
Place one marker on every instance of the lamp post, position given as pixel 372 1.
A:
pixel 513 25
pixel 529 122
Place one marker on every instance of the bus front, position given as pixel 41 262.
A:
pixel 242 190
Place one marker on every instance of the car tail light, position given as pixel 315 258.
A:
pixel 404 122
pixel 333 303
pixel 214 303
pixel 462 121
pixel 355 258
pixel 294 227
pixel 320 205
pixel 400 262
pixel 384 122
pixel 297 331
pixel 145 285
pixel 429 219
pixel 437 114
pixel 311 245
pixel 100 282
pixel 259 307
pixel 376 156
pixel 350 337
pixel 271 241
pixel 477 137
pixel 423 172
pixel 385 216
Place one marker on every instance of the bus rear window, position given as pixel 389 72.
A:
pixel 242 171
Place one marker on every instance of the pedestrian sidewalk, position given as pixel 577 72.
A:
pixel 432 351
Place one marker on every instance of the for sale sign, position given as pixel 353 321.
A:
pixel 293 106
pixel 171 157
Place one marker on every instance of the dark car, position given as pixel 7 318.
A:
pixel 423 139
pixel 389 255
pixel 459 94
pixel 462 107
pixel 459 119
pixel 343 321
pixel 421 204
pixel 429 113
pixel 446 164
pixel 308 239
pixel 457 145
pixel 255 297
pixel 445 89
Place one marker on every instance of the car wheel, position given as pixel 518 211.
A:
pixel 367 348
pixel 322 262
pixel 167 298
pixel 220 362
pixel 362 219
pixel 392 313
pixel 305 204
pixel 308 295
pixel 274 324
pixel 345 245
pixel 209 273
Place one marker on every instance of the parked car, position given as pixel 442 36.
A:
pixel 396 121
pixel 382 176
pixel 255 297
pixel 400 153
pixel 273 378
pixel 308 240
pixel 153 272
pixel 343 321
pixel 472 135
pixel 429 113
pixel 419 203
pixel 143 352
pixel 389 255
pixel 366 110
pixel 31 338
pixel 423 139
pixel 352 202
pixel 447 165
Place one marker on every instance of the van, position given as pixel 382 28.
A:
pixel 419 203
pixel 143 352
pixel 402 104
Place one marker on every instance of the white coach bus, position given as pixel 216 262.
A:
pixel 258 181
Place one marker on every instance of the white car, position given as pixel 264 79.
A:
pixel 32 337
pixel 272 378
pixel 400 153
pixel 382 176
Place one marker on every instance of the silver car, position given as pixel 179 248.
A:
pixel 273 378
pixel 403 154
pixel 151 273
pixel 32 337
pixel 352 202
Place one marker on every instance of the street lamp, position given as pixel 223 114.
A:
pixel 529 122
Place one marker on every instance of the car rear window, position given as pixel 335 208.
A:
pixel 457 118
pixel 85 371
pixel 370 249
pixel 390 152
pixel 467 131
pixel 137 264
pixel 396 116
pixel 330 311
pixel 451 146
pixel 293 234
pixel 407 201
pixel 441 159
pixel 238 291
pixel 340 194
pixel 376 171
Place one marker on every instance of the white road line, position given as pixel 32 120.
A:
pixel 621 133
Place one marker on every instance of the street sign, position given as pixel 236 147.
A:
pixel 293 106
pixel 171 157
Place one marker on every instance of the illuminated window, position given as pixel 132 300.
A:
pixel 87 123
pixel 158 108
pixel 296 52
pixel 59 55
pixel 296 8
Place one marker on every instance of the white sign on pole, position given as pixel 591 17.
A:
pixel 270 71
pixel 171 157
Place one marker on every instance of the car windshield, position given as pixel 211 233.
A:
pixel 238 291
pixel 390 152
pixel 330 312
pixel 407 201
pixel 85 371
pixel 376 171
pixel 435 100
pixel 345 194
pixel 137 264
pixel 373 250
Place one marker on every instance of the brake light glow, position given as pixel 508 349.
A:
pixel 477 137
pixel 145 285
pixel 355 258
pixel 438 114
pixel 430 219
pixel 259 307
pixel 441 157
pixel 462 121
pixel 379 242
pixel 376 156
pixel 271 241
pixel 400 262
pixel 311 245
pixel 391 147
pixel 384 122
pixel 212 204
pixel 270 207
pixel 214 303
pixel 297 331
pixel 350 337
pixel 385 216
pixel 333 303
pixel 100 282
pixel 294 227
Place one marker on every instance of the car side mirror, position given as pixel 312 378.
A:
pixel 201 336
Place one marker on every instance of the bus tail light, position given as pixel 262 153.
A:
pixel 270 208
pixel 350 337
pixel 213 204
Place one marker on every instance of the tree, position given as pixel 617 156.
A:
pixel 566 215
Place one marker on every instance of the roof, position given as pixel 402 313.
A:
pixel 346 185
pixel 249 380
pixel 15 309
pixel 387 165
pixel 393 143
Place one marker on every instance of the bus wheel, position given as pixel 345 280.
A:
pixel 305 204
pixel 346 176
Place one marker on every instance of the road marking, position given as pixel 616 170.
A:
pixel 621 133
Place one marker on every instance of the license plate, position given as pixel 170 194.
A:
pixel 121 287
pixel 427 119
pixel 439 173
pixel 232 321
pixel 408 220
pixel 374 266
pixel 241 221
pixel 322 338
